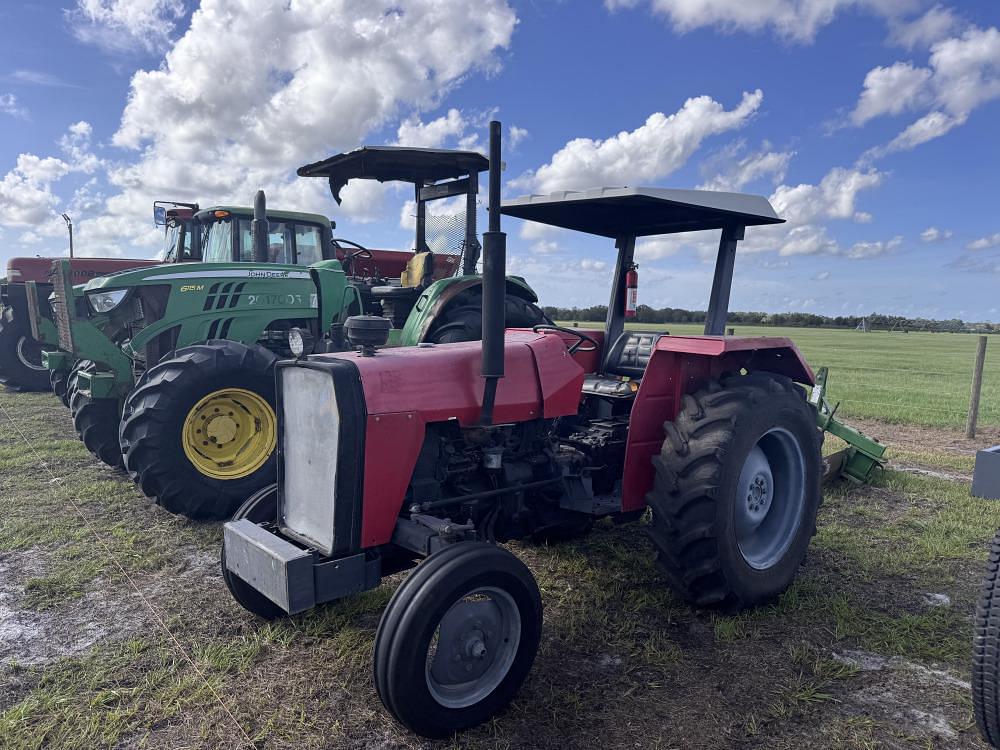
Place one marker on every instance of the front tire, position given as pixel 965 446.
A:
pixel 261 508
pixel 21 357
pixel 199 430
pixel 96 422
pixel 986 651
pixel 457 639
pixel 736 490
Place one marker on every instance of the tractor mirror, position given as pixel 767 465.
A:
pixel 159 216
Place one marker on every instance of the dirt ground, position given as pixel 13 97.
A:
pixel 117 631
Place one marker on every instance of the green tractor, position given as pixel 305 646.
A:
pixel 175 366
pixel 27 285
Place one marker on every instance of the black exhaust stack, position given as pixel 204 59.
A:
pixel 494 285
pixel 259 228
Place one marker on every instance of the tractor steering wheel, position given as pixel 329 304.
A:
pixel 348 262
pixel 575 346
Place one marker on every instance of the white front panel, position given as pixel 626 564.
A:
pixel 311 433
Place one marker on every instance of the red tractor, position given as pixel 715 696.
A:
pixel 438 453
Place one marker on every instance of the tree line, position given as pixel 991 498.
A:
pixel 872 322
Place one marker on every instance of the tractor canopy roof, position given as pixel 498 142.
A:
pixel 272 214
pixel 639 212
pixel 395 164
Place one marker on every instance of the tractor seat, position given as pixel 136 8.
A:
pixel 626 365
pixel 416 277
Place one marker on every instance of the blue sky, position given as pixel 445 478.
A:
pixel 871 124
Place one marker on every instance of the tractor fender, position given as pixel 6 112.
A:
pixel 441 294
pixel 680 365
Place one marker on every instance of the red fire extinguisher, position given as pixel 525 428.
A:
pixel 631 290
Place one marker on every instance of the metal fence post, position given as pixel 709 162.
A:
pixel 977 387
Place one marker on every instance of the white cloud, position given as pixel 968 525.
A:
pixel 124 25
pixel 821 276
pixel 38 78
pixel 433 134
pixel 933 26
pixel 933 234
pixel 749 169
pixel 985 243
pixel 254 88
pixel 963 73
pixel 545 247
pixel 889 91
pixel 589 264
pixel 26 195
pixel 9 106
pixel 515 136
pixel 873 249
pixel 833 198
pixel 649 153
pixel 794 20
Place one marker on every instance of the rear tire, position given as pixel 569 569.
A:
pixel 96 422
pixel 736 490
pixel 494 636
pixel 986 651
pixel 261 507
pixel 463 319
pixel 21 357
pixel 168 397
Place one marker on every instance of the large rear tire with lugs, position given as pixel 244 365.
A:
pixel 736 491
pixel 462 320
pixel 20 356
pixel 199 431
pixel 986 651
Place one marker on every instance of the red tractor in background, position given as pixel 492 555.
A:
pixel 438 453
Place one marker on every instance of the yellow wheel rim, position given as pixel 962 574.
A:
pixel 230 433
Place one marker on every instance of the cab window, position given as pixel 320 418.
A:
pixel 279 246
pixel 308 244
pixel 218 242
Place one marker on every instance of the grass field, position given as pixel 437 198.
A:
pixel 116 630
pixel 923 378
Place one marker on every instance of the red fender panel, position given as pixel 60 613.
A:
pixel 408 387
pixel 84 269
pixel 683 364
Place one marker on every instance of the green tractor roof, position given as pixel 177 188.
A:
pixel 246 211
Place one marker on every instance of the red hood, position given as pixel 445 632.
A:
pixel 20 270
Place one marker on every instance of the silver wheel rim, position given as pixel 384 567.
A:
pixel 473 647
pixel 770 498
pixel 22 356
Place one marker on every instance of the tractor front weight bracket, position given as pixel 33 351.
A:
pixel 858 461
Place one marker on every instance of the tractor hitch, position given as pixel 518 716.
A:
pixel 858 461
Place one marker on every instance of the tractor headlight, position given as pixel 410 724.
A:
pixel 105 302
pixel 310 439
pixel 300 342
